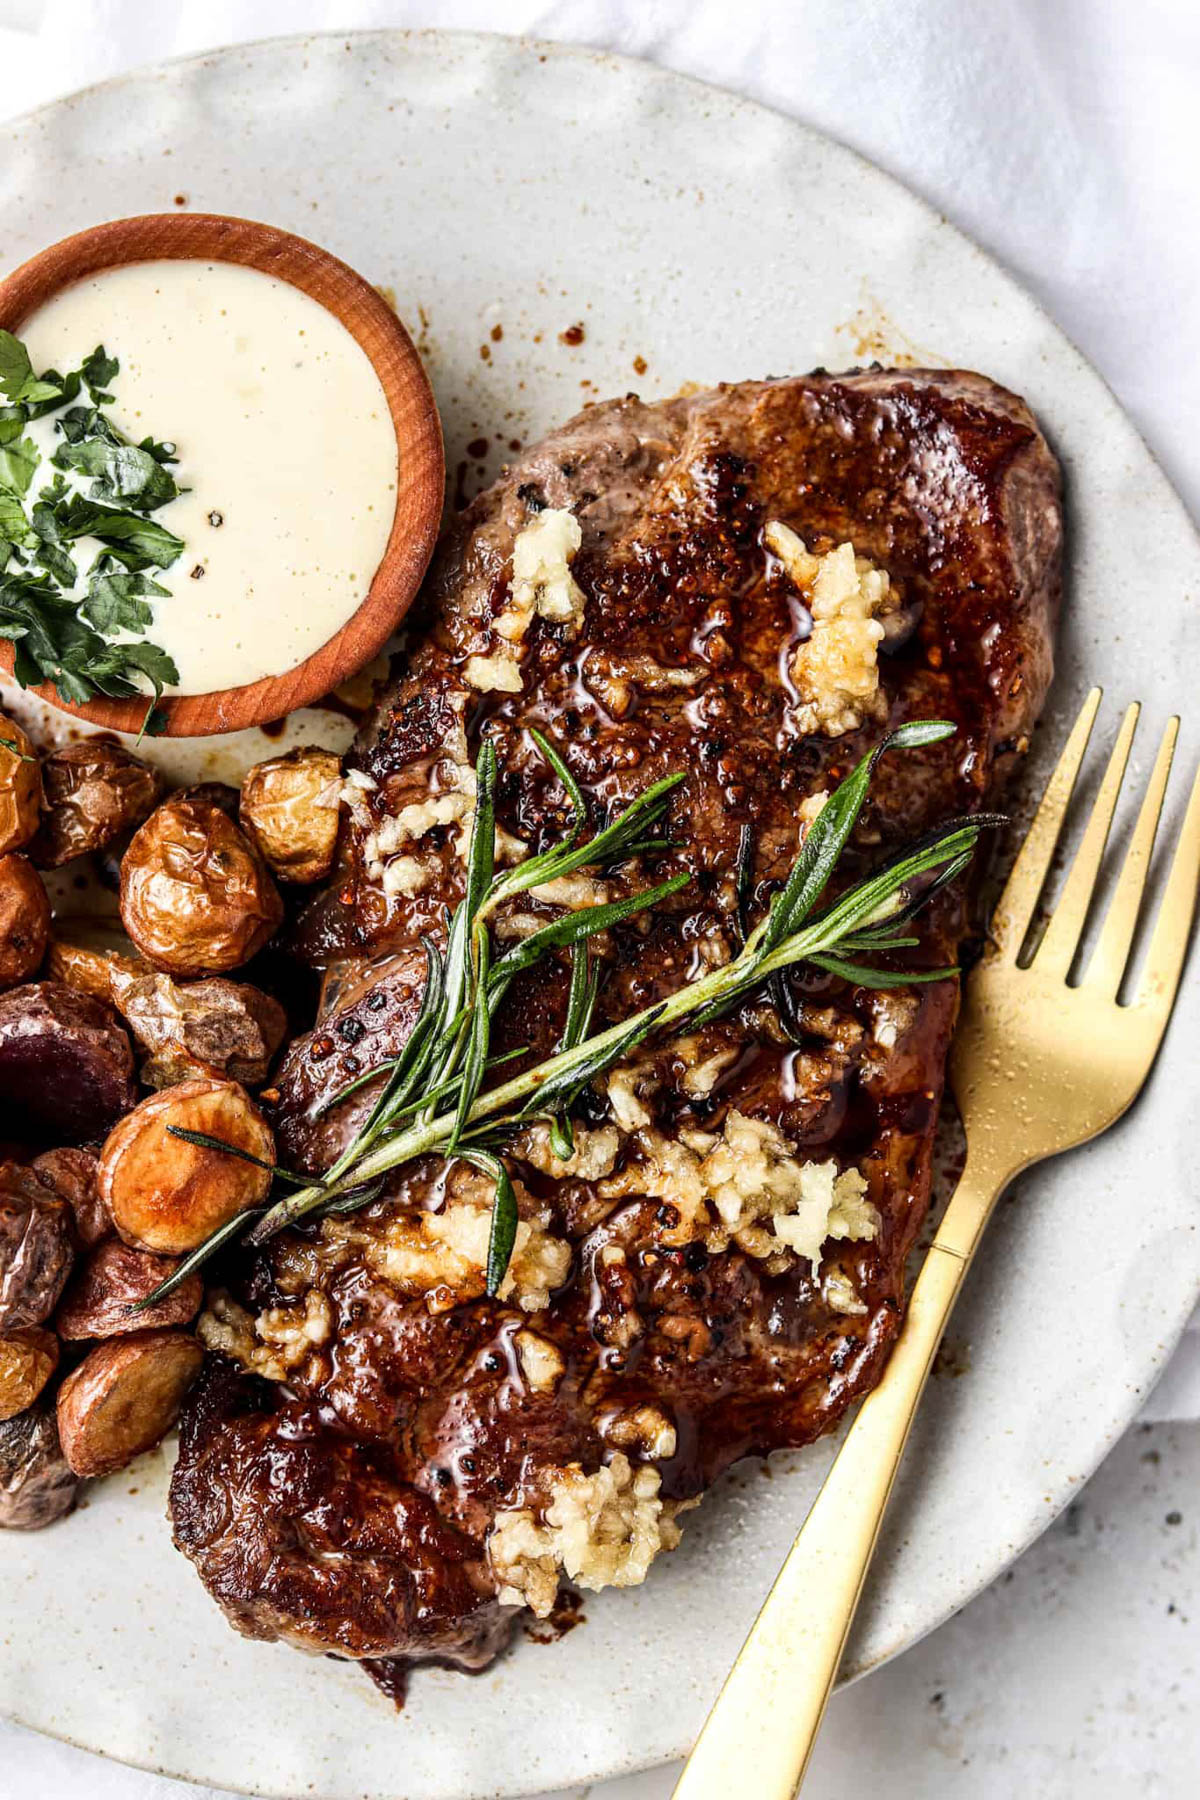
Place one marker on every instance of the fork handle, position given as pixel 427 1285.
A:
pixel 759 1735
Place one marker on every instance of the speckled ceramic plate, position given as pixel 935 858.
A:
pixel 556 226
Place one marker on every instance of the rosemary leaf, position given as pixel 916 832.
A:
pixel 200 1255
pixel 826 836
pixel 407 1068
pixel 559 1086
pixel 571 787
pixel 615 839
pixel 581 1003
pixel 743 879
pixel 477 1045
pixel 575 927
pixel 204 1141
pixel 504 1214
pixel 863 976
pixel 354 1199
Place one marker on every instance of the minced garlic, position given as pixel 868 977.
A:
pixel 836 669
pixel 600 1530
pixel 746 1186
pixel 542 586
pixel 443 1255
pixel 272 1345
pixel 841 1295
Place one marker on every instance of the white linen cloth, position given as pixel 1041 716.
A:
pixel 1063 135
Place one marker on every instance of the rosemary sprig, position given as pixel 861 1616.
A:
pixel 447 1062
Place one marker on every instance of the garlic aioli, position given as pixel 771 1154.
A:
pixel 284 439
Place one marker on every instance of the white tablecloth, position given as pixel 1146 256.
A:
pixel 1064 135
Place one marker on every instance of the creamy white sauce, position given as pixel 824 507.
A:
pixel 283 436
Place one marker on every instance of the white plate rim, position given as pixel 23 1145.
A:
pixel 601 59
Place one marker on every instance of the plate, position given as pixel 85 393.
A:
pixel 556 226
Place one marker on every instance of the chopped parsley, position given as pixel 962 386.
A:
pixel 63 621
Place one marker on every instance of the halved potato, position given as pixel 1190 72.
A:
pixel 66 1064
pixel 114 1278
pixel 124 1396
pixel 27 1361
pixel 290 809
pixel 167 1194
pixel 24 919
pixel 20 787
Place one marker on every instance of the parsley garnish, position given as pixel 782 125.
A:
pixel 59 633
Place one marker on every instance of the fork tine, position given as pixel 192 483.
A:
pixel 1168 945
pixel 1010 920
pixel 1061 940
pixel 1107 965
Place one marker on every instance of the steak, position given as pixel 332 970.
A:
pixel 381 1461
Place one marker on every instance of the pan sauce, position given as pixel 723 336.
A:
pixel 284 440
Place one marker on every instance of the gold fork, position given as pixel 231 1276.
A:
pixel 1038 1066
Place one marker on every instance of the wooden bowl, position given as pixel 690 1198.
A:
pixel 420 468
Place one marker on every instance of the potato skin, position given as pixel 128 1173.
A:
pixel 289 811
pixel 167 1195
pixel 196 898
pixel 72 1176
pixel 196 1028
pixel 36 1486
pixel 24 919
pixel 212 793
pixel 28 1359
pixel 36 1251
pixel 94 792
pixel 124 1397
pixel 20 787
pixel 93 955
pixel 114 1278
pixel 65 1062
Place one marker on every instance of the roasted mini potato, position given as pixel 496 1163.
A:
pixel 167 1194
pixel 20 787
pixel 94 792
pixel 73 1175
pixel 28 1359
pixel 36 1486
pixel 124 1396
pixel 94 955
pixel 36 1251
pixel 196 897
pixel 115 1278
pixel 212 1027
pixel 66 1064
pixel 24 919
pixel 289 810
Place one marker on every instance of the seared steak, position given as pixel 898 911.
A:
pixel 420 1460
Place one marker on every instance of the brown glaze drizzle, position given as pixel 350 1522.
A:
pixel 946 482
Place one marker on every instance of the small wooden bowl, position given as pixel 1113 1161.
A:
pixel 209 237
